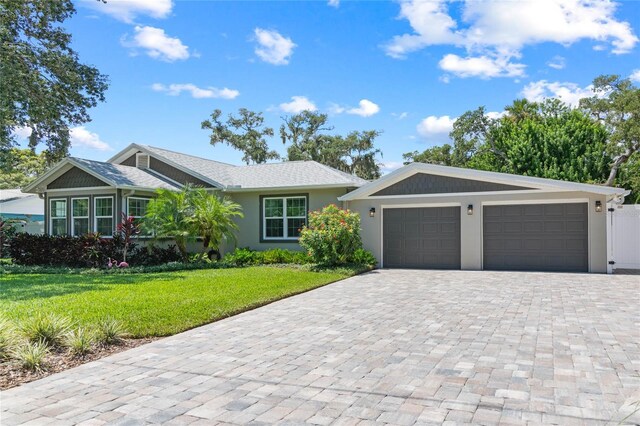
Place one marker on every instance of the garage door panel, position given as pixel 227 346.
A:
pixel 552 237
pixel 421 238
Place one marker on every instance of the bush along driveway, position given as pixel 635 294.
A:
pixel 398 347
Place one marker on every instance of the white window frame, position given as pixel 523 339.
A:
pixel 284 218
pixel 96 217
pixel 141 235
pixel 66 215
pixel 88 216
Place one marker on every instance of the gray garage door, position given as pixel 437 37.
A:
pixel 421 238
pixel 543 237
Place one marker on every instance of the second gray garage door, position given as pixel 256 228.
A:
pixel 541 237
pixel 426 238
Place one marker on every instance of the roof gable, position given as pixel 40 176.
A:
pixel 525 183
pixel 426 183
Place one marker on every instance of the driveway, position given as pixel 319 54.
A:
pixel 391 346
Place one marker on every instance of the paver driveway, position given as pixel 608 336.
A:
pixel 397 347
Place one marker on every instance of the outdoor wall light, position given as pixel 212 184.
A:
pixel 598 206
pixel 470 209
pixel 372 212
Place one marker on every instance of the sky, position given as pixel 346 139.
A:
pixel 405 68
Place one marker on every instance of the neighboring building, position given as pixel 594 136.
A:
pixel 25 211
pixel 87 196
pixel 419 216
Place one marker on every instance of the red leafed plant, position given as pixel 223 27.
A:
pixel 127 228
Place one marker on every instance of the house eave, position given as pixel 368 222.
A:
pixel 230 189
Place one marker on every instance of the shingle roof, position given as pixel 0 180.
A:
pixel 270 175
pixel 13 194
pixel 120 175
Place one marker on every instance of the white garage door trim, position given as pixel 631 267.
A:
pixel 545 201
pixel 407 206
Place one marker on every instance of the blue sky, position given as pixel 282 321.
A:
pixel 405 68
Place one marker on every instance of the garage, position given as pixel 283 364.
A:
pixel 426 238
pixel 536 237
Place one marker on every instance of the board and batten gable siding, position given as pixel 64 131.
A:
pixel 131 161
pixel 76 178
pixel 424 183
pixel 471 225
pixel 175 174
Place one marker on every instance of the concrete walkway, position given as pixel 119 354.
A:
pixel 398 347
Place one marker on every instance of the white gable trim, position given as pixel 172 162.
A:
pixel 550 185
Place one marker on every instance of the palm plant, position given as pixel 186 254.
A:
pixel 169 215
pixel 213 219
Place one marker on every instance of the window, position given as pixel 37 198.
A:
pixel 58 215
pixel 103 211
pixel 137 208
pixel 79 216
pixel 283 217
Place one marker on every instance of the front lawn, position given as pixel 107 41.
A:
pixel 157 304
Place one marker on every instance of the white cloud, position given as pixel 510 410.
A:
pixel 83 138
pixel 334 3
pixel 389 166
pixel 497 31
pixel 336 109
pixel 400 116
pixel 481 66
pixel 128 10
pixel 635 76
pixel 273 47
pixel 297 105
pixel 22 132
pixel 366 109
pixel 557 62
pixel 195 91
pixel 157 44
pixel 434 126
pixel 569 93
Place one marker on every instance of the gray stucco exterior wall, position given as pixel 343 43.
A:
pixel 471 225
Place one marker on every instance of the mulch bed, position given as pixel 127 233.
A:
pixel 11 374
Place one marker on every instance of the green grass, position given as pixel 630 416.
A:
pixel 157 304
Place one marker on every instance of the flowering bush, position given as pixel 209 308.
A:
pixel 332 236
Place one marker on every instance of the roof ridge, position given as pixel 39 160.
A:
pixel 339 172
pixel 184 154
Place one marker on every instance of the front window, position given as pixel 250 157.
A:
pixel 284 217
pixel 79 216
pixel 58 214
pixel 137 208
pixel 103 211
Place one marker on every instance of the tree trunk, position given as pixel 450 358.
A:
pixel 617 162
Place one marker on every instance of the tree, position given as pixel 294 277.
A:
pixel 212 218
pixel 19 167
pixel 169 216
pixel 546 139
pixel 354 154
pixel 616 104
pixel 244 133
pixel 43 84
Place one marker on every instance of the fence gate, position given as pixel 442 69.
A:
pixel 623 241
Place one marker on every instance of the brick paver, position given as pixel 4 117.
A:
pixel 398 347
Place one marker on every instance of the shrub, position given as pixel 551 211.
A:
pixel 241 257
pixel 110 332
pixel 153 255
pixel 47 329
pixel 31 355
pixel 8 338
pixel 364 257
pixel 7 232
pixel 332 236
pixel 79 341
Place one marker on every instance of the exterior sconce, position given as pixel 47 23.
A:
pixel 372 212
pixel 470 209
pixel 598 206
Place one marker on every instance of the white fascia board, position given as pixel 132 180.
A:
pixel 124 154
pixel 231 189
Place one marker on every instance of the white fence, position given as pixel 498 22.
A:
pixel 624 236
